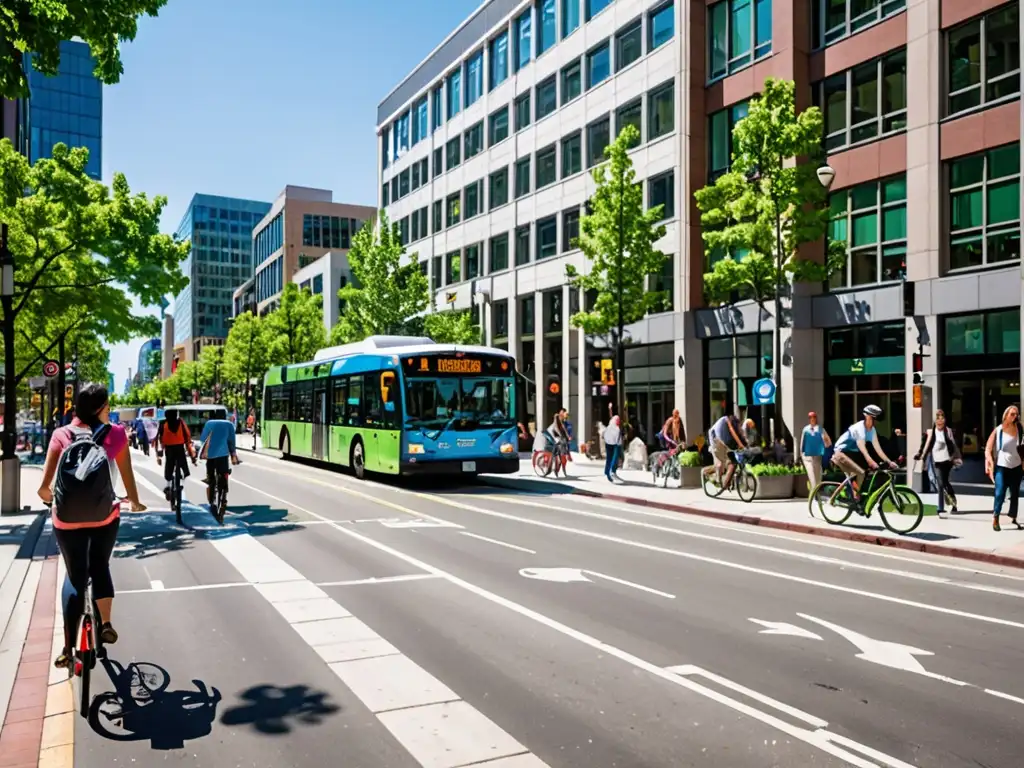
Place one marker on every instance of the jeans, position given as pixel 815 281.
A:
pixel 611 459
pixel 1007 479
pixel 86 553
pixel 942 485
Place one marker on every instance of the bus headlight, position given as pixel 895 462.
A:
pixel 507 448
pixel 415 448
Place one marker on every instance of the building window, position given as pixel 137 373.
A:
pixel 471 199
pixel 599 64
pixel 438 162
pixel 522 107
pixel 661 190
pixel 629 45
pixel 394 188
pixel 572 154
pixel 454 271
pixel 474 78
pixel 472 261
pixel 453 153
pixel 385 145
pixel 546 35
pixel 630 114
pixel 661 26
pixel 572 83
pixel 522 245
pixel 547 169
pixel 420 124
pixel 499 60
pixel 661 111
pixel 522 177
pixel 438 216
pixel 594 7
pixel 416 181
pixel 739 32
pixel 497 126
pixel 527 315
pixel 474 140
pixel 832 20
pixel 500 318
pixel 872 220
pixel 522 32
pixel 498 192
pixel 454 93
pixel 976 79
pixel 720 127
pixel 401 133
pixel 570 228
pixel 547 98
pixel 415 226
pixel 598 138
pixel 403 183
pixel 547 237
pixel 865 102
pixel 403 230
pixel 384 196
pixel 452 209
pixel 984 208
pixel 499 253
pixel 435 272
pixel 570 17
pixel 437 99
pixel 663 283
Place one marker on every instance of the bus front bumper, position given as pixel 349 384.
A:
pixel 492 465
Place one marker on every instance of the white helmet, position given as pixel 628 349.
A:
pixel 873 411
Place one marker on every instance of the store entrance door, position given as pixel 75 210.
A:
pixel 976 406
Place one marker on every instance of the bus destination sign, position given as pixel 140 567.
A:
pixel 458 365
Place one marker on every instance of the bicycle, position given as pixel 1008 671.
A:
pixel 665 464
pixel 90 648
pixel 894 501
pixel 743 481
pixel 550 458
pixel 219 497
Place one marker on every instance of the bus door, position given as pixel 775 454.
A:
pixel 320 432
pixel 389 439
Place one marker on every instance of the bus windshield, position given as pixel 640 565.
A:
pixel 458 402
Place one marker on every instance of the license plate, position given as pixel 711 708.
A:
pixel 469 466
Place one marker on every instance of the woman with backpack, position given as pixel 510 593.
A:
pixel 86 457
pixel 938 444
pixel 1003 463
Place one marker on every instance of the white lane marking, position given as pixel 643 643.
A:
pixel 598 645
pixel 156 585
pixel 558 575
pixel 499 543
pixel 377 580
pixel 190 588
pixel 402 695
pixel 782 628
pixel 140 479
pixel 1006 696
pixel 632 584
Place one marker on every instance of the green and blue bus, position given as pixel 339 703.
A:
pixel 397 405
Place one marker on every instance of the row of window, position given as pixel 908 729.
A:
pixel 464 86
pixel 983 60
pixel 354 401
pixel 328 231
pixel 270 281
pixel 269 239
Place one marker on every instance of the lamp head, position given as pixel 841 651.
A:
pixel 826 175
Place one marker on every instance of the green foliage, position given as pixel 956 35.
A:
pixel 211 365
pixel 387 291
pixel 80 249
pixel 452 327
pixel 690 459
pixel 39 26
pixel 155 362
pixel 776 470
pixel 246 353
pixel 618 222
pixel 771 191
pixel 295 330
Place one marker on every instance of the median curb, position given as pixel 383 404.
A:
pixel 913 545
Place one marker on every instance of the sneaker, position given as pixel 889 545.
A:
pixel 995 525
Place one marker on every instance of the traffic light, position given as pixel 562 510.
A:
pixel 917 366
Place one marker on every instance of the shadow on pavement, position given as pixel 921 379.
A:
pixel 147 534
pixel 270 708
pixel 141 708
pixel 24 534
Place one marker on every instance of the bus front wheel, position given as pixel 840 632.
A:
pixel 286 445
pixel 358 459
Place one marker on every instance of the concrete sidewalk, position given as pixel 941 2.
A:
pixel 968 535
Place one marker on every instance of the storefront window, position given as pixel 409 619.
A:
pixel 993 333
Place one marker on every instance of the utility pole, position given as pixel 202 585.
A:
pixel 248 383
pixel 10 465
pixel 620 353
pixel 61 379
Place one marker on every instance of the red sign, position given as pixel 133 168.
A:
pixel 553 388
pixel 51 368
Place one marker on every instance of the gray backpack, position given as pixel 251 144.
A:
pixel 84 490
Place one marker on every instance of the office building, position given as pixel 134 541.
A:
pixel 146 371
pixel 220 229
pixel 484 150
pixel 325 277
pixel 65 108
pixel 302 226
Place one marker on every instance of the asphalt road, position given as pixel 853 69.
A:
pixel 367 624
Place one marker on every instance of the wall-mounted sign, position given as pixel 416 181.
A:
pixel 764 392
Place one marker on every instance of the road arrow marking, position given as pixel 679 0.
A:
pixel 561 575
pixel 782 628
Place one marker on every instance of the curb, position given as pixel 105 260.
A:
pixel 912 545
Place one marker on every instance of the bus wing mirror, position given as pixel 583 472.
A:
pixel 387 381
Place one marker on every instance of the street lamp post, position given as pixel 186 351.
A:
pixel 10 465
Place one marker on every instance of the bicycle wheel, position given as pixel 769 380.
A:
pixel 746 484
pixel 176 498
pixel 711 483
pixel 836 512
pixel 655 470
pixel 542 464
pixel 901 509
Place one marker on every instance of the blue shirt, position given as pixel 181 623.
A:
pixel 847 442
pixel 720 430
pixel 221 435
pixel 813 441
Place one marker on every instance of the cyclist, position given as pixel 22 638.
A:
pixel 722 437
pixel 559 436
pixel 174 437
pixel 672 434
pixel 852 445
pixel 218 441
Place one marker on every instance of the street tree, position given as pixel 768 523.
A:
pixel 454 326
pixel 155 362
pixel 618 239
pixel 756 217
pixel 295 330
pixel 39 26
pixel 387 291
pixel 211 364
pixel 246 355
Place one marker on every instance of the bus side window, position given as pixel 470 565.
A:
pixel 373 403
pixel 354 403
pixel 340 398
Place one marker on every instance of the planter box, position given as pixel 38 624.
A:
pixel 689 477
pixel 774 487
pixel 800 488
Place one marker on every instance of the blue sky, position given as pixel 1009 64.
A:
pixel 241 97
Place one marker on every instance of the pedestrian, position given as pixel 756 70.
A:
pixel 938 446
pixel 612 447
pixel 1003 464
pixel 672 433
pixel 813 442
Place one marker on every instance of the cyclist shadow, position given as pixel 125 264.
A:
pixel 141 707
pixel 268 708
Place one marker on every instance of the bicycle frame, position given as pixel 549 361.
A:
pixel 868 492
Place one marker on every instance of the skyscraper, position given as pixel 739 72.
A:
pixel 220 229
pixel 65 108
pixel 148 372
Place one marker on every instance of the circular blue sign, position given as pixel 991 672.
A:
pixel 764 392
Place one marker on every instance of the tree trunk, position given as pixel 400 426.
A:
pixel 780 423
pixel 762 411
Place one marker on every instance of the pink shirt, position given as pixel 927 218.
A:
pixel 115 442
